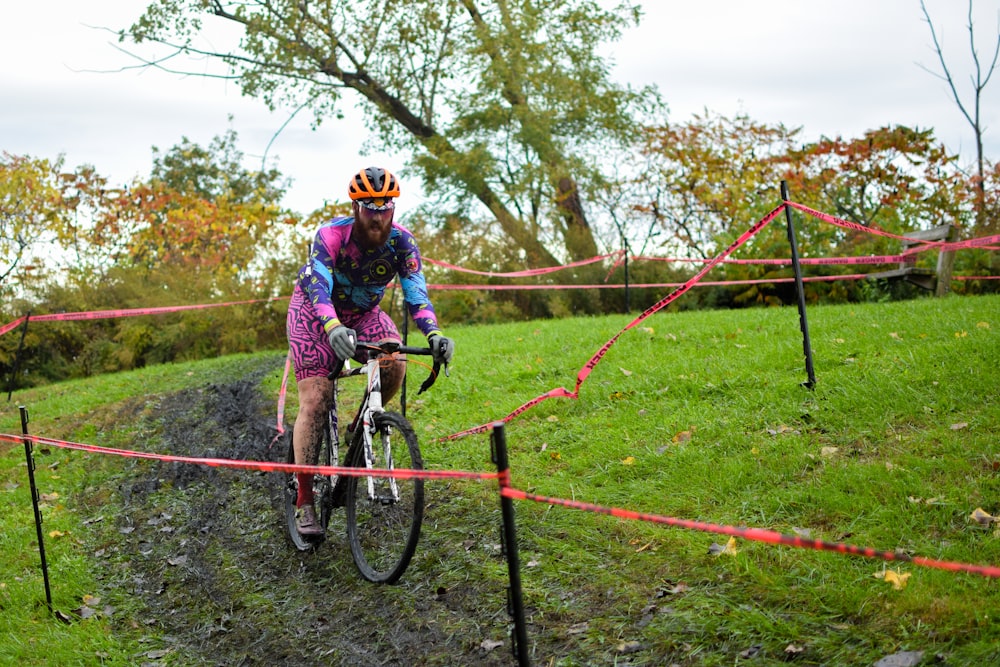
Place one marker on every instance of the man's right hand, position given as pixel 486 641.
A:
pixel 343 341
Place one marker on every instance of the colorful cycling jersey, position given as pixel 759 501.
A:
pixel 341 276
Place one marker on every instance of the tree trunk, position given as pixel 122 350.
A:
pixel 577 233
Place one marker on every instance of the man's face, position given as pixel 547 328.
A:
pixel 372 227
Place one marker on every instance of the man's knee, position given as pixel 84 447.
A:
pixel 314 395
pixel 392 374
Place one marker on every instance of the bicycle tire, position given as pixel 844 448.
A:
pixel 383 534
pixel 321 494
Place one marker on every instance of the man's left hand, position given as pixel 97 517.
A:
pixel 442 348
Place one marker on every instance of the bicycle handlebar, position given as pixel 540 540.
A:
pixel 390 347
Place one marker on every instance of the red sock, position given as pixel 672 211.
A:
pixel 305 496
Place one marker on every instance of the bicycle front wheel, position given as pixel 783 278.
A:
pixel 383 519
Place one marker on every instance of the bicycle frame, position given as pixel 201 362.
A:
pixel 371 404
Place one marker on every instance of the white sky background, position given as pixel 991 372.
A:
pixel 831 67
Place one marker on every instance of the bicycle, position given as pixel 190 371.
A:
pixel 383 514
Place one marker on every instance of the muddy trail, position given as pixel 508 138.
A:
pixel 197 556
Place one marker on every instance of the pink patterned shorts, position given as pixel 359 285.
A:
pixel 311 353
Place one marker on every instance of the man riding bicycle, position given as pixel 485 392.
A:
pixel 335 305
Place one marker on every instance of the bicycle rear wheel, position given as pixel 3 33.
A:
pixel 321 494
pixel 383 527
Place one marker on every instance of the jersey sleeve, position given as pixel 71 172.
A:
pixel 414 285
pixel 316 277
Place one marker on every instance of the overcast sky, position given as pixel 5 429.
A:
pixel 831 67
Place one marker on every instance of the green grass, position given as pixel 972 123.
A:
pixel 696 415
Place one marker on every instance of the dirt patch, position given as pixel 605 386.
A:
pixel 198 554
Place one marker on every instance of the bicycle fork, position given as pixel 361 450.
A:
pixel 369 429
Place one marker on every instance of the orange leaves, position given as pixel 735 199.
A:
pixel 681 437
pixel 896 579
pixel 727 549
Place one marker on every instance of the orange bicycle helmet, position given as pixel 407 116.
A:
pixel 373 182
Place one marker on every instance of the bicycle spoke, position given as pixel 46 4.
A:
pixel 384 525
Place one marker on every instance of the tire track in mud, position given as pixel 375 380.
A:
pixel 200 555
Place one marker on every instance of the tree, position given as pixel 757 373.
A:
pixel 31 213
pixel 896 178
pixel 494 99
pixel 979 81
pixel 710 178
pixel 200 211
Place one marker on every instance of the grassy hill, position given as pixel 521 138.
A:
pixel 696 415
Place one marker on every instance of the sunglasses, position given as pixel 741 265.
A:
pixel 378 203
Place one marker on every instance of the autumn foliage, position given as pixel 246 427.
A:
pixel 204 229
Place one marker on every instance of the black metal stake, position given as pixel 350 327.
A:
pixel 797 268
pixel 628 302
pixel 34 501
pixel 515 599
pixel 17 358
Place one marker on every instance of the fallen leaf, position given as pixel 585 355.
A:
pixel 929 501
pixel 628 461
pixel 897 579
pixel 982 325
pixel 729 548
pixel 626 373
pixel 177 560
pixel 628 647
pixel 490 644
pixel 49 497
pixel 982 517
pixel 555 456
pixel 56 533
pixel 552 418
pixel 893 334
pixel 672 589
pixel 827 452
pixel 751 652
pixel 578 628
pixel 683 436
pixel 959 426
pixel 904 659
pixel 961 334
pixel 793 650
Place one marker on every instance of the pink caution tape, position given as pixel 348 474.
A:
pixel 756 534
pixel 266 466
